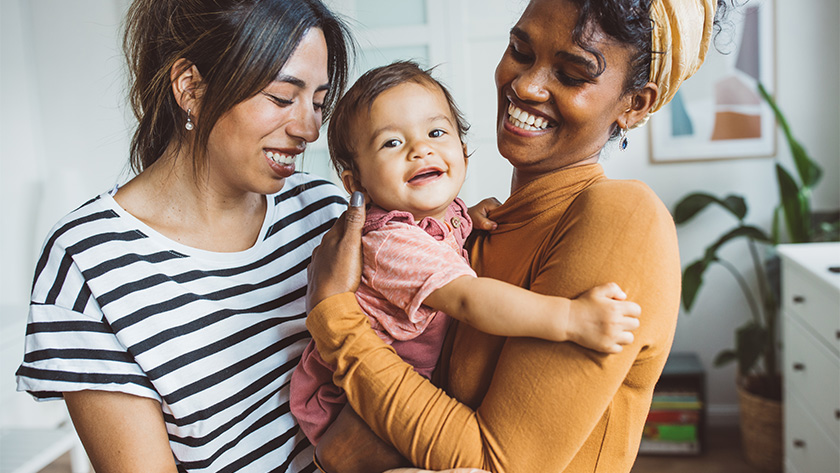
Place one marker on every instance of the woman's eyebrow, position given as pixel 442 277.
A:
pixel 299 83
pixel 589 65
pixel 519 33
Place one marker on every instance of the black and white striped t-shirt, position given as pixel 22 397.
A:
pixel 214 337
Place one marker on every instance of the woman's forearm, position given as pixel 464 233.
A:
pixel 349 446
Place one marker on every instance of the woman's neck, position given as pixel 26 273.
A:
pixel 187 206
pixel 522 176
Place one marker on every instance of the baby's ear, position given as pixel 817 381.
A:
pixel 351 184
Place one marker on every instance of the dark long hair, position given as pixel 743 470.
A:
pixel 238 47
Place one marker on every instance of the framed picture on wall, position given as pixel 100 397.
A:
pixel 719 112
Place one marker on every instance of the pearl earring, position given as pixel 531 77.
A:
pixel 622 139
pixel 189 125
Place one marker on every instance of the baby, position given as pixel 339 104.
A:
pixel 397 137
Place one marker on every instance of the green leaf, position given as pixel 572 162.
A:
pixel 725 357
pixel 691 281
pixel 744 231
pixel 795 207
pixel 809 172
pixel 693 204
pixel 737 205
pixel 750 343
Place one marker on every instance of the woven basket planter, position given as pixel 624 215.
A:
pixel 761 430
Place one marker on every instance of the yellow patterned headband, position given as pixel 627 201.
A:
pixel 682 32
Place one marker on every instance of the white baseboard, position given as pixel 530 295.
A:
pixel 722 415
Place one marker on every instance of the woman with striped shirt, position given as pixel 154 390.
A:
pixel 169 312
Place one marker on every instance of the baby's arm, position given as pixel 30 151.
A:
pixel 599 318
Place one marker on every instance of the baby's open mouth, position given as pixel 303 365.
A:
pixel 425 176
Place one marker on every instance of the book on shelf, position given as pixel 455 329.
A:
pixel 673 424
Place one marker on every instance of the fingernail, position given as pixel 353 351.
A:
pixel 357 199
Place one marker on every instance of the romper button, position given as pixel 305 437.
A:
pixel 456 222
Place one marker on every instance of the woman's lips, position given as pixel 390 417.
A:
pixel 526 121
pixel 281 157
pixel 282 162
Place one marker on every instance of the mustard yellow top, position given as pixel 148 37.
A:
pixel 521 404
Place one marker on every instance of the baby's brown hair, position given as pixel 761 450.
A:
pixel 361 97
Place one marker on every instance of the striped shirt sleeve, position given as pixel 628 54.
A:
pixel 69 345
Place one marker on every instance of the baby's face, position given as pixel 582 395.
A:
pixel 409 154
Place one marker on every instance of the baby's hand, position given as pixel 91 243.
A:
pixel 478 213
pixel 602 320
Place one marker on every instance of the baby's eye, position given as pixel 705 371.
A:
pixel 436 133
pixel 392 143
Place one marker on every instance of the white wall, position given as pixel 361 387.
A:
pixel 64 138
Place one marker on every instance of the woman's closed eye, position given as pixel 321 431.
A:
pixel 517 55
pixel 568 80
pixel 280 102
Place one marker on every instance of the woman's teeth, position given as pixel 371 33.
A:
pixel 522 119
pixel 280 158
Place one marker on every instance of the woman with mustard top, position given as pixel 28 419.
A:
pixel 591 70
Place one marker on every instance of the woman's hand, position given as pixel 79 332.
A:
pixel 478 213
pixel 336 265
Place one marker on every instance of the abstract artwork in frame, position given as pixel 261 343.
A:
pixel 719 112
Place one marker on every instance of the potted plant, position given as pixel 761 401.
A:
pixel 756 348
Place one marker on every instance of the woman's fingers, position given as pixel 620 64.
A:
pixel 479 213
pixel 336 265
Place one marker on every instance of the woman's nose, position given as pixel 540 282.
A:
pixel 306 124
pixel 530 85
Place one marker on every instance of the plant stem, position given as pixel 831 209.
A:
pixel 763 285
pixel 744 288
pixel 770 308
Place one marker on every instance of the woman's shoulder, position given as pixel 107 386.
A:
pixel 619 197
pixel 95 216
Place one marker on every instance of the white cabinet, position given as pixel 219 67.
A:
pixel 811 356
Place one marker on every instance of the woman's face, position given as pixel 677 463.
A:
pixel 553 111
pixel 253 147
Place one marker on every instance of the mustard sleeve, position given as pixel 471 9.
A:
pixel 430 428
pixel 549 406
